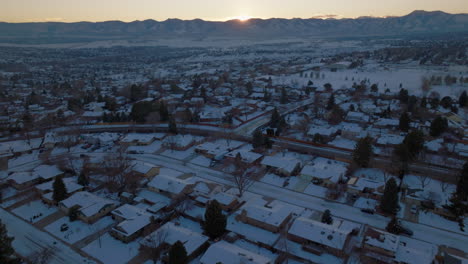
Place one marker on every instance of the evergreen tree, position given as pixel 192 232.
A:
pixel 438 126
pixel 258 139
pixel 463 99
pixel 275 118
pixel 415 142
pixel 402 157
pixel 215 221
pixel 172 126
pixel 363 152
pixel 462 184
pixel 404 122
pixel 424 102
pixel 83 179
pixel 60 191
pixel 389 200
pixel 392 226
pixel 163 112
pixel 403 96
pixel 178 254
pixel 284 96
pixel 331 102
pixel 6 250
pixel 327 218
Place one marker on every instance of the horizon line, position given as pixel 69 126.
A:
pixel 319 17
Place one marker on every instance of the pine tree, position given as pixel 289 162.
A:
pixel 393 227
pixel 415 143
pixel 327 218
pixel 389 200
pixel 284 96
pixel 172 126
pixel 275 118
pixel 83 179
pixel 178 254
pixel 424 102
pixel 462 184
pixel 363 152
pixel 6 250
pixel 403 96
pixel 258 139
pixel 331 102
pixel 404 122
pixel 438 126
pixel 215 221
pixel 60 191
pixel 163 112
pixel 463 100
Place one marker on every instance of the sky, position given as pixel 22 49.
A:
pixel 217 10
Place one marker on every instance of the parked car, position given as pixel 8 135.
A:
pixel 414 209
pixel 317 181
pixel 428 204
pixel 368 211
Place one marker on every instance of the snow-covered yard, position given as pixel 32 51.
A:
pixel 34 211
pixel 112 251
pixel 437 221
pixel 202 161
pixel 180 155
pixel 76 230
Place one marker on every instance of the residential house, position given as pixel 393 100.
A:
pixel 316 236
pixel 194 243
pixel 226 253
pixel 90 206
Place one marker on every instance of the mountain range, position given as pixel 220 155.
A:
pixel 417 22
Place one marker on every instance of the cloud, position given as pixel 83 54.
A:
pixel 53 19
pixel 325 16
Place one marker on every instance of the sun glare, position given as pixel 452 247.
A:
pixel 242 18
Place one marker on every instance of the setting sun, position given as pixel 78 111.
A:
pixel 242 17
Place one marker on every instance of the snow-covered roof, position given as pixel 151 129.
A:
pixel 169 183
pixel 89 203
pixel 47 171
pixel 321 130
pixel 132 225
pixel 388 139
pixel 286 164
pixel 142 167
pixel 273 213
pixel 247 156
pixel 22 177
pixel 137 137
pixel 223 198
pixel 128 211
pixel 70 184
pixel 320 233
pixel 381 239
pixel 173 233
pixel 323 168
pixel 223 252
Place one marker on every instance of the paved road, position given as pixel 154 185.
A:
pixel 29 239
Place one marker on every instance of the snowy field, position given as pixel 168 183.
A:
pixel 384 76
pixel 77 230
pixel 112 251
pixel 34 211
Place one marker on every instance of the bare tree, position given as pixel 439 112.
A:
pixel 180 204
pixel 424 180
pixel 42 256
pixel 118 170
pixel 444 185
pixel 154 244
pixel 243 177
